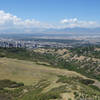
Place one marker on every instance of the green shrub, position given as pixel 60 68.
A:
pixel 86 81
pixel 10 84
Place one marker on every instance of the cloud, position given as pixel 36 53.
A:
pixel 78 23
pixel 14 24
pixel 11 22
pixel 74 20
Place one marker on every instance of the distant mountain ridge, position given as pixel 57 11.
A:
pixel 56 33
pixel 76 30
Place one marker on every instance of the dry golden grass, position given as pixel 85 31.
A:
pixel 42 50
pixel 97 49
pixel 67 96
pixel 62 51
pixel 29 72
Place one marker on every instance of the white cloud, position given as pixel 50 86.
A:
pixel 74 20
pixel 78 23
pixel 11 23
pixel 8 21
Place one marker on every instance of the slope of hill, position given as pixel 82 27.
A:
pixel 25 80
pixel 84 60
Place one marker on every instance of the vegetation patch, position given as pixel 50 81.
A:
pixel 10 84
pixel 36 92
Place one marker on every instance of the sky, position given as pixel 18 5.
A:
pixel 29 15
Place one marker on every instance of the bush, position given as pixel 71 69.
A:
pixel 10 84
pixel 94 87
pixel 86 81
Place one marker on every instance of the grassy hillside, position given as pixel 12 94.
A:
pixel 26 80
pixel 84 60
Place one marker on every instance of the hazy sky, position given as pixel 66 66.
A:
pixel 48 14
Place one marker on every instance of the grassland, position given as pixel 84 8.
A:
pixel 84 60
pixel 43 83
pixel 29 72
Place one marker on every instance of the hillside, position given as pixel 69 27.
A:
pixel 42 82
pixel 84 60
